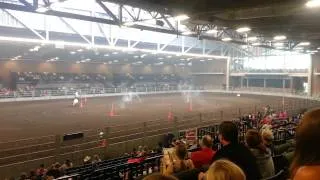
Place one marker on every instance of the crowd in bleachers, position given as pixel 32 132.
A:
pixel 248 70
pixel 250 148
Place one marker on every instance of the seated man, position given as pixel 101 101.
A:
pixel 204 156
pixel 235 152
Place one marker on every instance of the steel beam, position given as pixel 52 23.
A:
pixel 168 23
pixel 107 10
pixel 26 3
pixel 104 33
pixel 74 30
pixel 133 18
pixel 25 25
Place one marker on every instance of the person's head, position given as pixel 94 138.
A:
pixel 158 176
pixel 228 133
pixel 206 142
pixel 254 140
pixel 267 136
pixel 68 162
pixel 181 151
pixel 307 137
pixel 224 170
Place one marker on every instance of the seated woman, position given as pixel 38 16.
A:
pixel 223 170
pixel 261 152
pixel 176 162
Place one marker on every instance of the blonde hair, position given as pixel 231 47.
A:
pixel 224 170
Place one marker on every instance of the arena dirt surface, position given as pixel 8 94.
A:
pixel 40 118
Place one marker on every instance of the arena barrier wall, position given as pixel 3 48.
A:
pixel 22 155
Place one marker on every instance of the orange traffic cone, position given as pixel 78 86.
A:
pixel 112 111
pixel 190 108
pixel 170 114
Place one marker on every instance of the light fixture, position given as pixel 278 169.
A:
pixel 72 52
pixel 278 44
pixel 209 59
pixel 78 62
pixel 313 3
pixel 88 59
pixel 115 61
pixel 318 48
pixel 129 23
pixel 104 63
pixel 181 17
pixel 182 59
pixel 107 47
pixel 31 50
pixel 42 9
pixel 80 50
pixel 298 48
pixel 253 38
pixel 143 55
pixel 106 55
pixel 279 38
pixel 243 29
pixel 160 58
pixel 187 33
pixel 202 60
pixel 135 57
pixel 169 56
pixel 226 39
pixel 115 53
pixel 212 31
pixel 256 44
pixel 304 44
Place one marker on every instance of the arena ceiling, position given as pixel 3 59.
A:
pixel 266 18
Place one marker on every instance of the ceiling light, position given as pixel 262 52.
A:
pixel 182 59
pixel 42 9
pixel 72 52
pixel 278 44
pixel 212 31
pixel 187 33
pixel 169 56
pixel 106 55
pixel 279 38
pixel 104 63
pixel 115 53
pixel 304 44
pixel 226 39
pixel 209 59
pixel 298 48
pixel 256 44
pixel 135 57
pixel 80 50
pixel 129 23
pixel 189 59
pixel 178 54
pixel 252 38
pixel 181 17
pixel 160 58
pixel 143 55
pixel 31 50
pixel 202 60
pixel 243 29
pixel 78 62
pixel 318 48
pixel 88 59
pixel 115 61
pixel 313 3
pixel 83 61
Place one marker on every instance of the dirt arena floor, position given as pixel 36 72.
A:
pixel 40 118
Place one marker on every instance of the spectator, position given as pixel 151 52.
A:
pixel 235 152
pixel 224 170
pixel 41 171
pixel 261 152
pixel 54 171
pixel 96 159
pixel 158 176
pixel 306 163
pixel 178 161
pixel 23 176
pixel 204 156
pixel 32 175
pixel 68 164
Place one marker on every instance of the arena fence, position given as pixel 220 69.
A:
pixel 21 155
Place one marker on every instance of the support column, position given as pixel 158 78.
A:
pixel 247 82
pixel 310 76
pixel 241 81
pixel 291 84
pixel 283 84
pixel 228 74
pixel 264 83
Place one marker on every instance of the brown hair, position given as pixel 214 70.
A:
pixel 307 145
pixel 158 176
pixel 224 170
pixel 254 140
pixel 207 141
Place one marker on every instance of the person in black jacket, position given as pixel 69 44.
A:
pixel 235 152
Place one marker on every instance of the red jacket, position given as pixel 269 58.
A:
pixel 202 157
